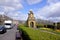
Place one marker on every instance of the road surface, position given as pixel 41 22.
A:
pixel 9 35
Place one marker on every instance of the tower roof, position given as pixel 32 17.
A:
pixel 31 12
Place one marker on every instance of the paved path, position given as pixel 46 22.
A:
pixel 9 35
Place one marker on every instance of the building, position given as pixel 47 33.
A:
pixel 3 18
pixel 15 22
pixel 31 20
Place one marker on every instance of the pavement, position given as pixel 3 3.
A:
pixel 9 35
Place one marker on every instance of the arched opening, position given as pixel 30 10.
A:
pixel 32 24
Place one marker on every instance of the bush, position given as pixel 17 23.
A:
pixel 51 26
pixel 58 25
pixel 40 25
pixel 33 34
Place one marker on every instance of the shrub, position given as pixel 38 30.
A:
pixel 40 25
pixel 33 34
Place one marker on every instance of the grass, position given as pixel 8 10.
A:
pixel 34 34
pixel 51 30
pixel 46 29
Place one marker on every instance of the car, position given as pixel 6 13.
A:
pixel 8 24
pixel 2 29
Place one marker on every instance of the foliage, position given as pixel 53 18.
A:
pixel 40 25
pixel 58 25
pixel 34 34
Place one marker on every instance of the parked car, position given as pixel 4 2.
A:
pixel 2 29
pixel 8 24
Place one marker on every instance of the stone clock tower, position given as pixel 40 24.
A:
pixel 31 20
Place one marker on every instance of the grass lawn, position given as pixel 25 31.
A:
pixel 37 34
pixel 51 30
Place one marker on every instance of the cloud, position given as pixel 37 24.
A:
pixel 30 2
pixel 54 19
pixel 10 5
pixel 18 15
pixel 1 13
pixel 52 1
pixel 50 11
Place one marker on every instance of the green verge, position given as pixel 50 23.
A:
pixel 50 30
pixel 37 34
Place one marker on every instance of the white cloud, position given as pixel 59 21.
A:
pixel 1 13
pixel 50 11
pixel 8 7
pixel 18 15
pixel 54 19
pixel 33 1
pixel 52 1
pixel 11 3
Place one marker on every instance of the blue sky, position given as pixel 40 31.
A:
pixel 34 7
pixel 42 9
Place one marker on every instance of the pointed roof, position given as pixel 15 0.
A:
pixel 31 12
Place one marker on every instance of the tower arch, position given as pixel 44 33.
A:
pixel 31 20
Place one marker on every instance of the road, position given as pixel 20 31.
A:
pixel 9 35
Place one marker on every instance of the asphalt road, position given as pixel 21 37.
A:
pixel 9 35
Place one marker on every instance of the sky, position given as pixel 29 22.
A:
pixel 42 9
